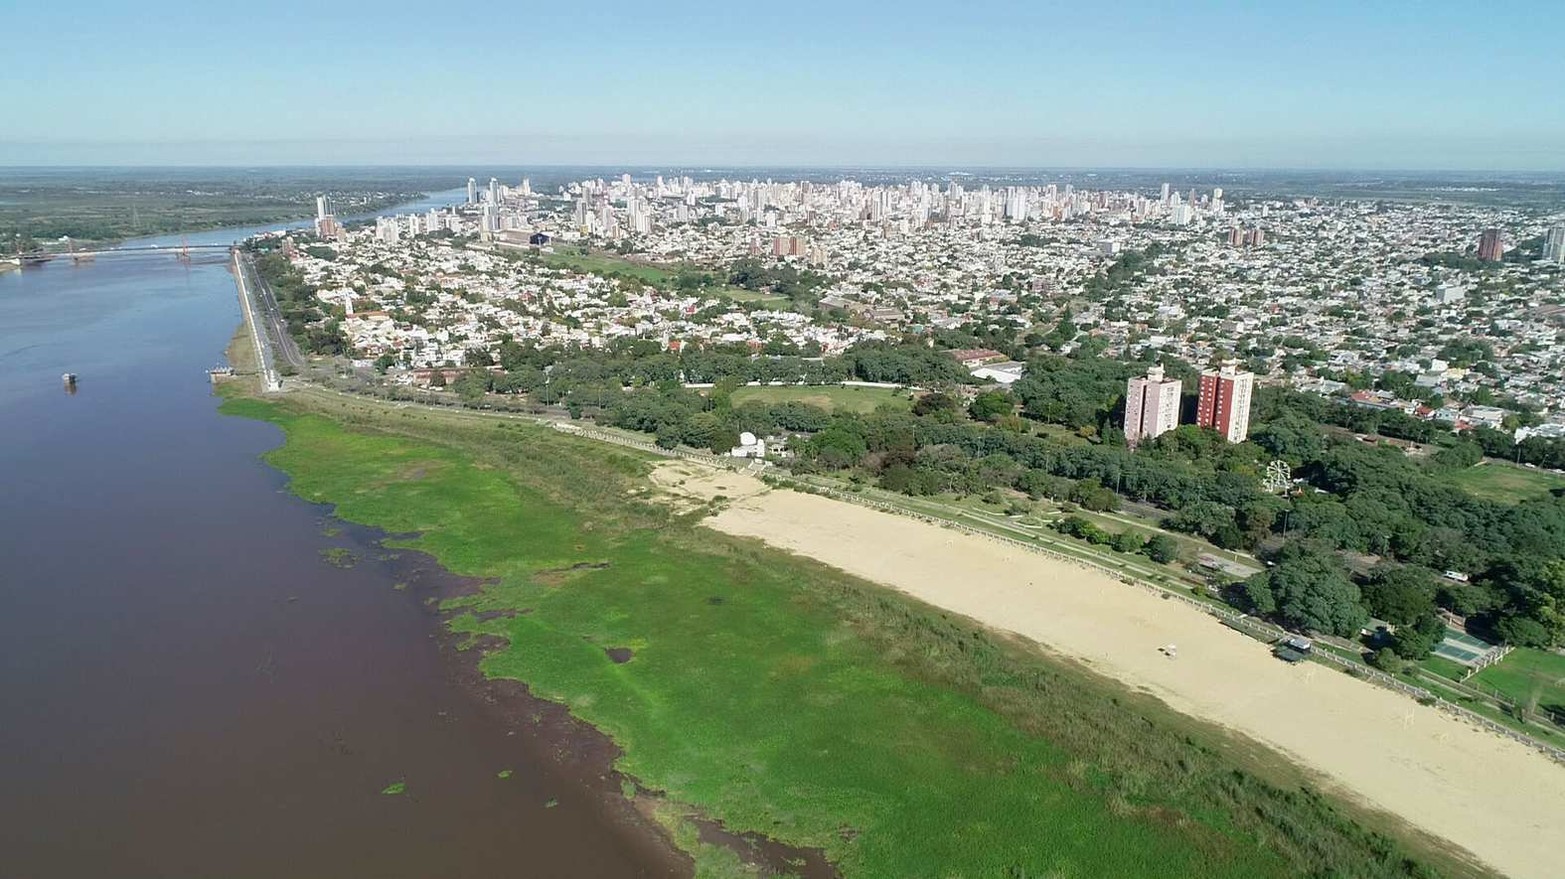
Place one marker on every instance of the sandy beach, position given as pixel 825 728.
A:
pixel 1494 797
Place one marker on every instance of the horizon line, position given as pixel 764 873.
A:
pixel 868 166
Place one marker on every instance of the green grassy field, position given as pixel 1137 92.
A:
pixel 784 698
pixel 828 397
pixel 1444 667
pixel 1505 483
pixel 598 263
pixel 740 294
pixel 1525 675
pixel 611 265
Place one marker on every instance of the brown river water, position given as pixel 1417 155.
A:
pixel 187 687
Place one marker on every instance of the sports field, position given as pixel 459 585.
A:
pixel 1504 482
pixel 833 398
pixel 1461 647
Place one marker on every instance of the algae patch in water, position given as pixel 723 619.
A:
pixel 338 557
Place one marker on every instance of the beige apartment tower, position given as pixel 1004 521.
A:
pixel 1151 406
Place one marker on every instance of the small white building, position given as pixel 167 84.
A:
pixel 1001 373
pixel 749 447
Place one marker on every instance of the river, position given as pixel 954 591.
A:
pixel 187 687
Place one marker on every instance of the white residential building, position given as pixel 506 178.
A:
pixel 1151 406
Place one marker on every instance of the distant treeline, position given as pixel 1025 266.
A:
pixel 35 215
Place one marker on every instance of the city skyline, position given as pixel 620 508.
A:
pixel 810 85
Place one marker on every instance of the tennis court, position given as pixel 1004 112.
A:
pixel 1462 647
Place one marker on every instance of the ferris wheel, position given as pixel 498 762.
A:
pixel 1278 478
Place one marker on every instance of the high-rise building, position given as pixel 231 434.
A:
pixel 1490 246
pixel 472 191
pixel 494 192
pixel 1151 406
pixel 1165 193
pixel 1224 403
pixel 325 223
pixel 387 230
pixel 1554 244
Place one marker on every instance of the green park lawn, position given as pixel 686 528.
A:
pixel 1526 674
pixel 832 398
pixel 1505 483
pixel 1446 668
pixel 784 698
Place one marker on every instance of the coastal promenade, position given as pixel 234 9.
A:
pixel 272 317
pixel 271 381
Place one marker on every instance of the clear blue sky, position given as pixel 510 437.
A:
pixel 1459 85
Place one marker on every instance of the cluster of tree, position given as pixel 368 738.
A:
pixel 313 330
pixel 1359 499
pixel 1123 272
pixel 680 416
pixel 912 365
pixel 1159 547
pixel 781 278
pixel 1448 259
pixel 1308 589
pixel 630 363
pixel 1371 500
pixel 1032 239
pixel 1271 404
pixel 1535 450
pixel 1374 499
pixel 1076 392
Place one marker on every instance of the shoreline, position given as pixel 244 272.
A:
pixel 1044 698
pixel 547 733
pixel 550 736
pixel 1373 746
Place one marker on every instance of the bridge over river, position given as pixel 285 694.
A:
pixel 182 251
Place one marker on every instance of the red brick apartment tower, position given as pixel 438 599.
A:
pixel 1224 403
pixel 1491 247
